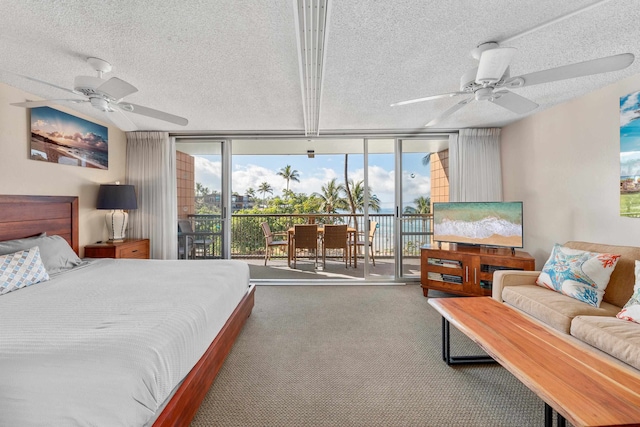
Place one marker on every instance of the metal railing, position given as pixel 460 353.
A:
pixel 247 238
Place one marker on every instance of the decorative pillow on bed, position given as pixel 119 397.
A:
pixel 631 310
pixel 578 274
pixel 21 269
pixel 56 254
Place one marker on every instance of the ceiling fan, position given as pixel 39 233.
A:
pixel 491 79
pixel 106 96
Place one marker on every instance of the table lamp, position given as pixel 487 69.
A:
pixel 115 198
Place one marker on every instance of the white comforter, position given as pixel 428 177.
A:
pixel 105 344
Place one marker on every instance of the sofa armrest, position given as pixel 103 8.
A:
pixel 502 278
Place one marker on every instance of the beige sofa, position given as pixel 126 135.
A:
pixel 597 327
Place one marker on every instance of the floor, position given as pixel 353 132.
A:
pixel 306 269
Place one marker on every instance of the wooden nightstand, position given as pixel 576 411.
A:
pixel 130 248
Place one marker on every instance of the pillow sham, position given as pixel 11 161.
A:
pixel 21 269
pixel 578 274
pixel 631 310
pixel 55 252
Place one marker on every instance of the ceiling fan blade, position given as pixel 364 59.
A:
pixel 493 64
pixel 120 119
pixel 116 88
pixel 150 112
pixel 43 82
pixel 516 103
pixel 580 69
pixel 450 111
pixel 47 103
pixel 429 98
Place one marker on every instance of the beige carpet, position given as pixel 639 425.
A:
pixel 357 356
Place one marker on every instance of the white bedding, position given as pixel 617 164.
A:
pixel 105 344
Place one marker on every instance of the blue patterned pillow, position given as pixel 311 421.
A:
pixel 578 274
pixel 21 269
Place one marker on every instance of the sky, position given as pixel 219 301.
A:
pixel 68 130
pixel 251 171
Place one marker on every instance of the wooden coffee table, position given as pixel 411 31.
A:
pixel 582 386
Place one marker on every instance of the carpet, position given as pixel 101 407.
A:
pixel 357 356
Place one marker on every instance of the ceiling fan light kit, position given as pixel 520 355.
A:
pixel 106 96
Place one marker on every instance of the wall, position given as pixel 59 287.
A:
pixel 186 184
pixel 564 164
pixel 439 177
pixel 21 175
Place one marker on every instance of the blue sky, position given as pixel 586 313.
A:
pixel 251 170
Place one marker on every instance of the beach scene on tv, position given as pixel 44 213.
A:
pixel 489 224
pixel 59 137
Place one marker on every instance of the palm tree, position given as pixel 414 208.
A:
pixel 251 193
pixel 201 190
pixel 331 199
pixel 357 191
pixel 265 188
pixel 423 206
pixel 289 174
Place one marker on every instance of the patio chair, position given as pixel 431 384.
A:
pixel 304 237
pixel 193 240
pixel 366 239
pixel 270 243
pixel 335 237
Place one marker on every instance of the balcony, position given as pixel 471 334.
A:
pixel 248 243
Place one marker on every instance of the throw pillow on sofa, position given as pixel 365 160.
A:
pixel 631 310
pixel 578 274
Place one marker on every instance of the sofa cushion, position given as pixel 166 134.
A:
pixel 619 338
pixel 620 285
pixel 552 308
pixel 582 275
pixel 631 310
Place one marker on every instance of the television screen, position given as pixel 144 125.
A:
pixel 479 223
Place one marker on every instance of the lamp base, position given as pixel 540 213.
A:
pixel 116 220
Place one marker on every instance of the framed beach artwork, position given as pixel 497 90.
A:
pixel 630 155
pixel 59 137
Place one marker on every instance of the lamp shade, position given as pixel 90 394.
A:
pixel 112 196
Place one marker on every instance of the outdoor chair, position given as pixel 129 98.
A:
pixel 335 237
pixel 189 242
pixel 304 237
pixel 366 239
pixel 270 243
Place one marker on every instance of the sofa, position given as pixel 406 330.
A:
pixel 596 326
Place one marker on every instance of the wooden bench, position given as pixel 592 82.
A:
pixel 582 386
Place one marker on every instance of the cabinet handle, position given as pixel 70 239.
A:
pixel 475 275
pixel 134 251
pixel 466 269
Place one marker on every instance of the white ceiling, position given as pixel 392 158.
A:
pixel 233 65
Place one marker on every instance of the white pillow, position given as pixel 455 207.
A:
pixel 21 269
pixel 631 310
pixel 578 274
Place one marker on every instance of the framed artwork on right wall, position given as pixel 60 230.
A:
pixel 630 155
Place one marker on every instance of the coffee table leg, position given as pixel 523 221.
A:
pixel 458 360
pixel 548 417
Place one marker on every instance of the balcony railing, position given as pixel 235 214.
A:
pixel 247 238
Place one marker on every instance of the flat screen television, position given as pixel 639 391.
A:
pixel 496 224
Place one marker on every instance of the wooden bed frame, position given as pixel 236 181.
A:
pixel 26 216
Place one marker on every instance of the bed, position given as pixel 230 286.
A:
pixel 134 347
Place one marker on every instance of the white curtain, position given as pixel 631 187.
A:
pixel 151 168
pixel 475 174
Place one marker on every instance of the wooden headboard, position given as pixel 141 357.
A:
pixel 26 216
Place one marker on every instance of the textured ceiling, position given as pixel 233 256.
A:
pixel 233 65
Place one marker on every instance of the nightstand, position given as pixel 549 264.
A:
pixel 130 248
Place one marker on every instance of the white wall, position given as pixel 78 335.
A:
pixel 21 175
pixel 564 164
